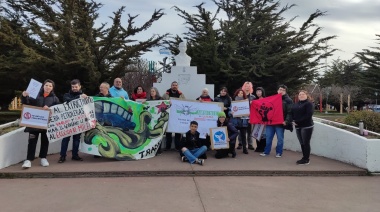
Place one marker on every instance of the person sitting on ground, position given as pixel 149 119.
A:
pixel 192 148
pixel 232 134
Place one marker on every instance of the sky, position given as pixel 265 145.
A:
pixel 354 22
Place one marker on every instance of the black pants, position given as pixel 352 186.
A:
pixel 260 145
pixel 242 134
pixel 304 136
pixel 32 144
pixel 223 153
pixel 177 140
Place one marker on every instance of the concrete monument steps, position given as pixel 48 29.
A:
pixel 169 164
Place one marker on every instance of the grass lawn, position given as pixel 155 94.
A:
pixel 331 116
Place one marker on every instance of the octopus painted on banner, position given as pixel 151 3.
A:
pixel 126 130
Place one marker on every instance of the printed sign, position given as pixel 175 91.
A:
pixel 182 112
pixel 240 108
pixel 218 136
pixel 257 131
pixel 126 130
pixel 71 118
pixel 34 88
pixel 35 117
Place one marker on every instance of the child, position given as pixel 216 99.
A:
pixel 192 147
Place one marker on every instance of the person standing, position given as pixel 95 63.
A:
pixel 225 98
pixel 279 129
pixel 138 93
pixel 241 123
pixel 173 92
pixel 232 134
pixel 260 144
pixel 45 99
pixel 74 93
pixel 154 94
pixel 104 90
pixel 204 97
pixel 117 89
pixel 248 89
pixel 302 114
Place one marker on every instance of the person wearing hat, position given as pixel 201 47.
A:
pixel 232 134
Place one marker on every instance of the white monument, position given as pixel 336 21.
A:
pixel 189 82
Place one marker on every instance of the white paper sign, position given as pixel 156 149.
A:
pixel 257 131
pixel 35 117
pixel 240 108
pixel 182 112
pixel 218 137
pixel 34 88
pixel 71 118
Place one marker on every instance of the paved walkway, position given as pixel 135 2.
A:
pixel 169 164
pixel 193 194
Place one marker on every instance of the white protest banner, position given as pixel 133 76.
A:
pixel 182 112
pixel 71 118
pixel 257 131
pixel 240 108
pixel 219 137
pixel 35 117
pixel 34 88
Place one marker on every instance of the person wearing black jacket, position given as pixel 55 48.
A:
pixel 192 148
pixel 302 114
pixel 45 99
pixel 232 134
pixel 74 93
pixel 279 129
pixel 225 98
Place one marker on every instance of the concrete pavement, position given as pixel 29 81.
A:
pixel 192 194
pixel 169 164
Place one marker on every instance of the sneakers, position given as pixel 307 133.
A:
pixel 200 161
pixel 184 159
pixel 62 159
pixel 251 147
pixel 27 164
pixel 77 158
pixel 303 162
pixel 44 162
pixel 263 154
pixel 278 155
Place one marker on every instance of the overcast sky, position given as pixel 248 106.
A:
pixel 355 22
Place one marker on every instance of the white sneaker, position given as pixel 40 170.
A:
pixel 26 164
pixel 44 162
pixel 278 155
pixel 263 154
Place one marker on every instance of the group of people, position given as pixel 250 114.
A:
pixel 192 149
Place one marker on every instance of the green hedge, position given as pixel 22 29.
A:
pixel 371 120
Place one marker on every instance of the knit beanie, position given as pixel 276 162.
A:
pixel 221 114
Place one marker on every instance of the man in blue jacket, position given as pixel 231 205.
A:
pixel 117 89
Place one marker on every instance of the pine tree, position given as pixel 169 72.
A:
pixel 67 39
pixel 255 43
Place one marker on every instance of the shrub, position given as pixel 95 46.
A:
pixel 371 120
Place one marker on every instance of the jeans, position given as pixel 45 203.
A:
pixel 177 140
pixel 193 154
pixel 304 136
pixel 270 130
pixel 32 144
pixel 65 144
